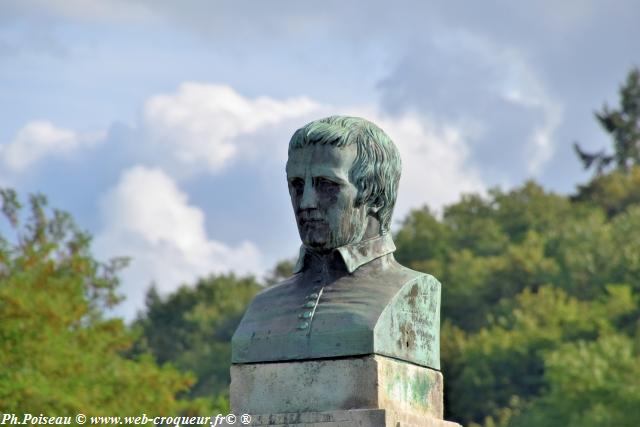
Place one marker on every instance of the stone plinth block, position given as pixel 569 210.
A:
pixel 350 418
pixel 368 382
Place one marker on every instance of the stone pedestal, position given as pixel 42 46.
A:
pixel 350 418
pixel 368 391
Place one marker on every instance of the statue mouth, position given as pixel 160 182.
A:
pixel 310 218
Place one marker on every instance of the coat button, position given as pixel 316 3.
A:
pixel 313 296
pixel 305 315
pixel 303 325
pixel 309 304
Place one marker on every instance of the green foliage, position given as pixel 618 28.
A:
pixel 608 394
pixel 283 270
pixel 192 329
pixel 58 354
pixel 591 383
pixel 520 355
pixel 487 267
pixel 531 320
pixel 614 192
pixel 422 237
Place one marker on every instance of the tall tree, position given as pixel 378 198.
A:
pixel 623 125
pixel 59 355
pixel 191 329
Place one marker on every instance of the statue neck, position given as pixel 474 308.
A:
pixel 373 228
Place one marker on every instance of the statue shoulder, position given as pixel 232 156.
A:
pixel 421 279
pixel 409 327
pixel 418 288
pixel 408 277
pixel 278 287
pixel 271 297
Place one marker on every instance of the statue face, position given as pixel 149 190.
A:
pixel 323 197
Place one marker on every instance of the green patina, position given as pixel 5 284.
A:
pixel 420 389
pixel 414 388
pixel 343 175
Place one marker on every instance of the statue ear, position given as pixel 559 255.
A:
pixel 373 210
pixel 374 205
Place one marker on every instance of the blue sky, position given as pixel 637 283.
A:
pixel 162 126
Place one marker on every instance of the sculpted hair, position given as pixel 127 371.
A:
pixel 376 170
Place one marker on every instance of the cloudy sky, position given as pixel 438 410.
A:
pixel 162 126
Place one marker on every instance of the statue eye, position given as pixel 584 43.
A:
pixel 325 185
pixel 297 185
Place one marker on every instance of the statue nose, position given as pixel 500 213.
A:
pixel 309 197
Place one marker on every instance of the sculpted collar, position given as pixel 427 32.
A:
pixel 357 254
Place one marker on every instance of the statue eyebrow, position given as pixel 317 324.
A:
pixel 328 173
pixel 332 178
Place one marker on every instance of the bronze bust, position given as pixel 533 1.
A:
pixel 348 296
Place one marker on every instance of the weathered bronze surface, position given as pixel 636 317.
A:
pixel 348 296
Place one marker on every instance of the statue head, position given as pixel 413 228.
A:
pixel 343 175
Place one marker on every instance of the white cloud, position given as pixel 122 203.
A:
pixel 470 78
pixel 519 84
pixel 540 146
pixel 41 139
pixel 200 128
pixel 146 216
pixel 435 160
pixel 436 164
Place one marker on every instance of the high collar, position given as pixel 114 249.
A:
pixel 357 254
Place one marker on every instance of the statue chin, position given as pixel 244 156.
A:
pixel 320 246
pixel 315 239
pixel 324 243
